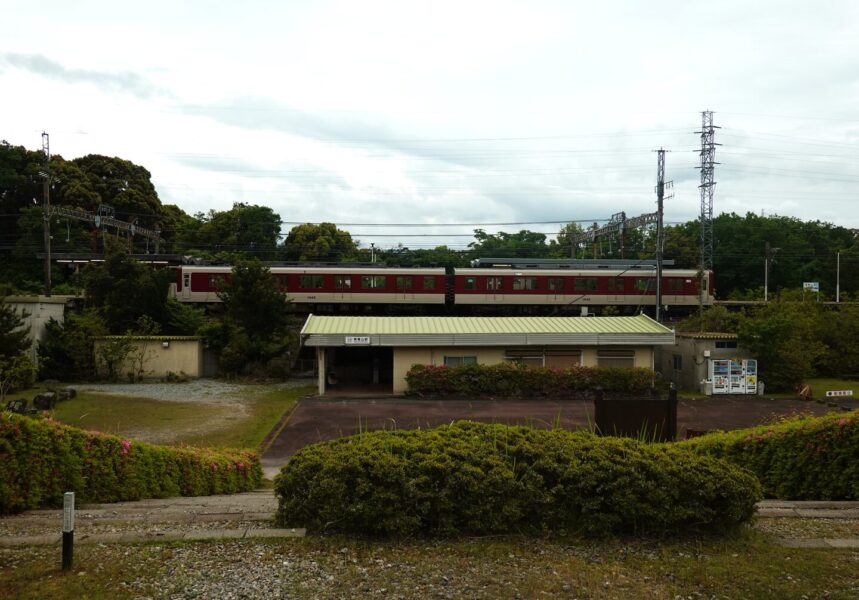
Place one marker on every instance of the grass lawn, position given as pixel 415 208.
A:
pixel 182 423
pixel 745 566
pixel 127 416
pixel 266 410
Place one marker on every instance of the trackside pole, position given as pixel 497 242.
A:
pixel 68 529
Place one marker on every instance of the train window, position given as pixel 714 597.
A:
pixel 429 282
pixel 455 361
pixel 615 284
pixel 675 285
pixel 186 281
pixel 704 282
pixel 585 284
pixel 524 283
pixel 616 358
pixel 342 282
pixel 645 284
pixel 372 282
pixel 404 282
pixel 493 283
pixel 310 282
pixel 471 283
pixel 556 284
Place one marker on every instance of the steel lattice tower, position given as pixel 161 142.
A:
pixel 707 187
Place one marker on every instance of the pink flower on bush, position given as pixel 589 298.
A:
pixel 214 466
pixel 126 446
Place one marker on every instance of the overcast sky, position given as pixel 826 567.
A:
pixel 447 112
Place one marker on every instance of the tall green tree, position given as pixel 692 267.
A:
pixel 784 337
pixel 244 231
pixel 320 243
pixel 254 320
pixel 124 289
pixel 14 336
pixel 522 244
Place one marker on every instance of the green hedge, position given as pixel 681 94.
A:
pixel 813 458
pixel 511 379
pixel 40 459
pixel 476 478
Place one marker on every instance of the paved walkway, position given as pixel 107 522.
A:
pixel 250 515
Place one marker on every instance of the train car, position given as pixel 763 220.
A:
pixel 577 287
pixel 346 284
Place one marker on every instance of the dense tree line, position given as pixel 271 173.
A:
pixel 801 250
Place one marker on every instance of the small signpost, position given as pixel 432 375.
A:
pixel 834 393
pixel 814 286
pixel 68 529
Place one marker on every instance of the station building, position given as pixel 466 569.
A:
pixel 373 354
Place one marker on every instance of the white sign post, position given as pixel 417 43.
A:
pixel 68 529
pixel 814 286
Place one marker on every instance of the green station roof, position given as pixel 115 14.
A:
pixel 414 331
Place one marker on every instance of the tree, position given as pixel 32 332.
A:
pixel 66 352
pixel 254 319
pixel 244 231
pixel 524 244
pixel 14 336
pixel 16 368
pixel 783 337
pixel 124 289
pixel 16 372
pixel 318 243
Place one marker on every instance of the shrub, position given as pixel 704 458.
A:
pixel 40 459
pixel 812 458
pixel 510 379
pixel 479 478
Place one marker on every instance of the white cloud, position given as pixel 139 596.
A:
pixel 447 112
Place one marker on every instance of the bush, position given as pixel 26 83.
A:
pixel 40 459
pixel 813 458
pixel 475 478
pixel 510 379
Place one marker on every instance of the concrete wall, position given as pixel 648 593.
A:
pixel 404 358
pixel 37 310
pixel 162 356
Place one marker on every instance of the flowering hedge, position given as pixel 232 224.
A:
pixel 814 458
pixel 510 379
pixel 40 459
pixel 477 478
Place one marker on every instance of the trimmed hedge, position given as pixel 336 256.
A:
pixel 511 379
pixel 814 458
pixel 40 459
pixel 477 478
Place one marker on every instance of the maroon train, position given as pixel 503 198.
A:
pixel 489 283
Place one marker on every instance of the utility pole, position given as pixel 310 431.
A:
pixel 46 210
pixel 707 187
pixel 838 278
pixel 661 184
pixel 769 253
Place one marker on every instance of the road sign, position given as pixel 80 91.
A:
pixel 833 393
pixel 814 286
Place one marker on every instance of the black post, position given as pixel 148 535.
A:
pixel 671 425
pixel 68 529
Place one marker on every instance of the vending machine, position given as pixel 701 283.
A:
pixel 733 376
